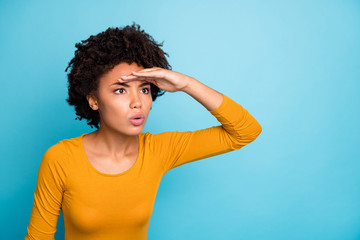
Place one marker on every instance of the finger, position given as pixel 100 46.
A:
pixel 153 81
pixel 149 69
pixel 128 77
pixel 145 70
pixel 153 74
pixel 131 78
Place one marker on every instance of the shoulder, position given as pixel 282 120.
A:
pixel 163 139
pixel 151 137
pixel 54 166
pixel 59 153
pixel 55 154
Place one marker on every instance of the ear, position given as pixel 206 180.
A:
pixel 92 102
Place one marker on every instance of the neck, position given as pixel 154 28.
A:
pixel 113 143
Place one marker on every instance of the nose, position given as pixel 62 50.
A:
pixel 135 101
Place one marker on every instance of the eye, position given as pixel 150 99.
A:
pixel 147 90
pixel 119 89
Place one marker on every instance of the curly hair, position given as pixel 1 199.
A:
pixel 98 54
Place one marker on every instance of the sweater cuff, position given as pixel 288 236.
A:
pixel 219 108
pixel 229 111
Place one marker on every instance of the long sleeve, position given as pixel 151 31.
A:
pixel 48 195
pixel 238 128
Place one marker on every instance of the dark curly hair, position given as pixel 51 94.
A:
pixel 99 54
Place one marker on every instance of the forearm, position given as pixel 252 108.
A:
pixel 208 97
pixel 235 119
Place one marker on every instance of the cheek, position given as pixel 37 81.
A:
pixel 148 102
pixel 114 109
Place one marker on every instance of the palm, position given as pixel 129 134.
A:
pixel 164 85
pixel 164 79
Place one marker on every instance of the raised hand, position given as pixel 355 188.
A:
pixel 164 79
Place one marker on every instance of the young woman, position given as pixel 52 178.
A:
pixel 105 182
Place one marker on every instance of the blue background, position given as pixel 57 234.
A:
pixel 294 65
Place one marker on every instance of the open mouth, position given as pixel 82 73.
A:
pixel 137 121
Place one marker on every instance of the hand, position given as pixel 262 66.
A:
pixel 164 79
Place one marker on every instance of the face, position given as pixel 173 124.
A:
pixel 117 101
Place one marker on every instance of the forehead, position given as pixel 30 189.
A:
pixel 120 70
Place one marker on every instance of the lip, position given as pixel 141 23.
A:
pixel 137 119
pixel 139 115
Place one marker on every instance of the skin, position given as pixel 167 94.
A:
pixel 113 148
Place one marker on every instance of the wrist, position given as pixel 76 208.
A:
pixel 188 83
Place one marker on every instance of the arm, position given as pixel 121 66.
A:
pixel 208 97
pixel 238 127
pixel 47 196
pixel 212 99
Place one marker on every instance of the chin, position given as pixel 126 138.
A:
pixel 136 130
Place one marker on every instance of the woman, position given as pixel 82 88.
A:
pixel 105 182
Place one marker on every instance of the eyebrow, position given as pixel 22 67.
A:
pixel 126 85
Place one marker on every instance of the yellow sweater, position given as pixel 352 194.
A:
pixel 103 206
